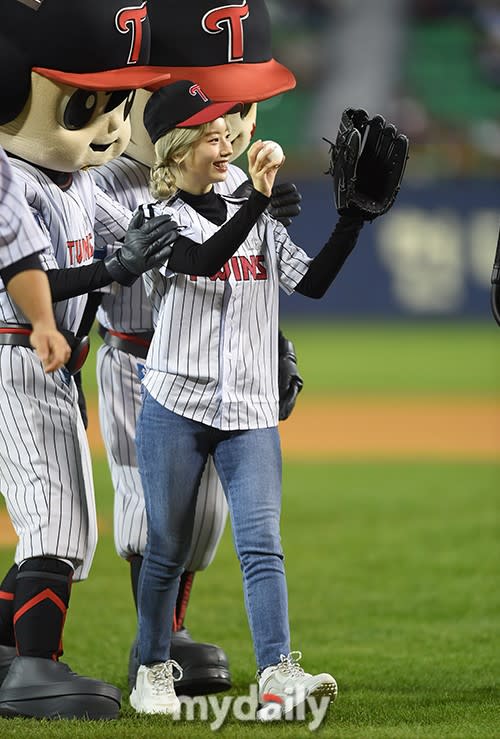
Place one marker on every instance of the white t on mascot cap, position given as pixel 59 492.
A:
pixel 224 47
pixel 59 60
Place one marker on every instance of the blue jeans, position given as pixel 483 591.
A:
pixel 172 452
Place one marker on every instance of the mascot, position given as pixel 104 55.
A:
pixel 70 69
pixel 227 50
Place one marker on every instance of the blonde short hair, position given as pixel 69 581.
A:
pixel 171 150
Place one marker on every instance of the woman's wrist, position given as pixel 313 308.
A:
pixel 259 196
pixel 263 189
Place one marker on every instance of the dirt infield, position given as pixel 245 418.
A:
pixel 426 428
pixel 346 427
pixel 372 428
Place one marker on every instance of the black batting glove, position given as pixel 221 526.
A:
pixel 290 383
pixel 285 202
pixel 285 199
pixel 147 244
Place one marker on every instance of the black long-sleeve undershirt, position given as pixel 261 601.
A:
pixel 327 264
pixel 32 261
pixel 187 255
pixel 204 260
pixel 64 283
pixel 72 281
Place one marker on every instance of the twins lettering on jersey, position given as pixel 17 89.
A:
pixel 242 269
pixel 80 250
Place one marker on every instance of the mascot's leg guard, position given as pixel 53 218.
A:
pixel 7 654
pixel 7 638
pixel 37 685
pixel 205 666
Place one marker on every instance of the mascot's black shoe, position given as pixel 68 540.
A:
pixel 41 688
pixel 7 654
pixel 205 666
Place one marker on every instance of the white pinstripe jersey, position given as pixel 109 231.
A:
pixel 128 309
pixel 75 222
pixel 214 354
pixel 19 235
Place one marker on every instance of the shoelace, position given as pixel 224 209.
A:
pixel 289 664
pixel 162 675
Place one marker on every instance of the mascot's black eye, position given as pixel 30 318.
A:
pixel 116 98
pixel 247 107
pixel 79 109
pixel 128 104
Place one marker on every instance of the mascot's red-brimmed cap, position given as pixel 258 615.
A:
pixel 88 44
pixel 223 46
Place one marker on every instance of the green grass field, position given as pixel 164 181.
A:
pixel 392 566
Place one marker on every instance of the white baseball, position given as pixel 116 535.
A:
pixel 274 152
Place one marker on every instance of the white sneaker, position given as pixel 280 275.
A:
pixel 154 688
pixel 285 687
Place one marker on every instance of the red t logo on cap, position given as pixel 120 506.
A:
pixel 130 20
pixel 232 16
pixel 196 90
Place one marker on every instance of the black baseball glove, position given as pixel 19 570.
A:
pixel 285 200
pixel 367 164
pixel 290 383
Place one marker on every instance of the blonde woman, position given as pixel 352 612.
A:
pixel 210 386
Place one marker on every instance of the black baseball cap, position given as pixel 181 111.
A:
pixel 223 46
pixel 182 104
pixel 89 44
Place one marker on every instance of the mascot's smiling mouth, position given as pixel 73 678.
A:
pixel 101 147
